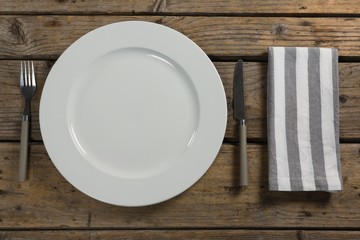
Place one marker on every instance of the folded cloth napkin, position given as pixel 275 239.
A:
pixel 303 119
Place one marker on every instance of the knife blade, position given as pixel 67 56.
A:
pixel 239 114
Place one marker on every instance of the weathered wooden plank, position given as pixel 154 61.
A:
pixel 181 7
pixel 45 235
pixel 228 234
pixel 47 36
pixel 330 235
pixel 255 80
pixel 180 234
pixel 196 234
pixel 47 200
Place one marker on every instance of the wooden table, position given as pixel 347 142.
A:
pixel 48 207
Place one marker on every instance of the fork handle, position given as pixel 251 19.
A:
pixel 24 147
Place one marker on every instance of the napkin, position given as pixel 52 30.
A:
pixel 303 119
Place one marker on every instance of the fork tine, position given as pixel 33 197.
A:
pixel 25 74
pixel 29 74
pixel 21 74
pixel 33 81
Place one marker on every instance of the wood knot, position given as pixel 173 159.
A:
pixel 280 29
pixel 16 31
pixel 343 98
pixel 345 179
pixel 53 23
pixel 306 23
pixel 159 21
pixel 18 208
pixel 305 214
pixel 319 42
pixel 308 214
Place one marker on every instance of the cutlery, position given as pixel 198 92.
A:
pixel 239 114
pixel 28 88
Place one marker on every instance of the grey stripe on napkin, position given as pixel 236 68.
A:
pixel 303 119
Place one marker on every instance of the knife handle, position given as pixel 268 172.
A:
pixel 243 155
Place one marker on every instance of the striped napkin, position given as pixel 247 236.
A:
pixel 303 119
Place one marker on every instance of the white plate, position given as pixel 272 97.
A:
pixel 133 113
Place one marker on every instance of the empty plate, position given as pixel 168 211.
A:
pixel 133 113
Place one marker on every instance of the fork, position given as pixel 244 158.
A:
pixel 28 88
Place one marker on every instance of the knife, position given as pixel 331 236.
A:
pixel 239 114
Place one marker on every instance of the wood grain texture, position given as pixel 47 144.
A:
pixel 255 80
pixel 181 7
pixel 228 234
pixel 46 235
pixel 48 207
pixel 330 235
pixel 47 200
pixel 47 36
pixel 180 234
pixel 196 234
